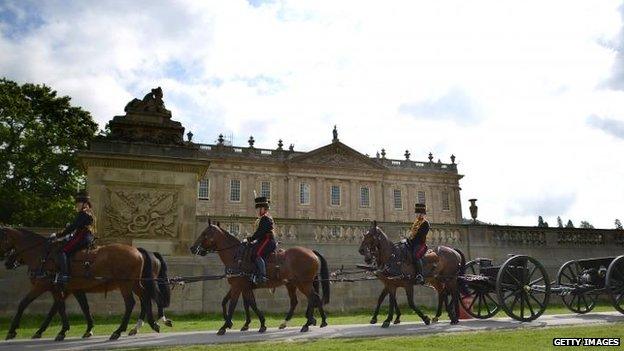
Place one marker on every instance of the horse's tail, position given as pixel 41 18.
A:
pixel 163 282
pixel 324 277
pixel 463 287
pixel 147 278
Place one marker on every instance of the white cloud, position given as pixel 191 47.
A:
pixel 528 72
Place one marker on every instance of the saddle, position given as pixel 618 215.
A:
pixel 402 261
pixel 246 267
pixel 84 258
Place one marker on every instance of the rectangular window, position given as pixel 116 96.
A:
pixel 265 189
pixel 364 197
pixel 421 197
pixel 398 199
pixel 234 228
pixel 235 190
pixel 203 189
pixel 304 193
pixel 335 195
pixel 446 203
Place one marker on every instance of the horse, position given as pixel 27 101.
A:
pixel 298 270
pixel 443 263
pixel 161 294
pixel 113 267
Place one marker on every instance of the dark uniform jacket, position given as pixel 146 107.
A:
pixel 265 228
pixel 419 234
pixel 81 225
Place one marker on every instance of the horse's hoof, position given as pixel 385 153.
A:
pixel 169 323
pixel 155 327
pixel 114 336
pixel 434 320
pixel 373 321
pixel 36 336
pixel 87 335
pixel 397 321
pixel 133 332
pixel 60 337
pixel 304 329
pixel 385 324
pixel 323 324
pixel 454 322
pixel 245 327
pixel 262 329
pixel 282 326
pixel 11 335
pixel 313 322
pixel 427 320
pixel 221 331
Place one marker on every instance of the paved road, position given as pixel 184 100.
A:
pixel 338 331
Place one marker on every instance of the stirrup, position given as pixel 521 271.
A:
pixel 419 279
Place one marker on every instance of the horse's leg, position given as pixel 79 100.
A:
pixel 292 293
pixel 161 316
pixel 308 290
pixel 46 322
pixel 250 299
pixel 380 300
pixel 409 292
pixel 139 323
pixel 129 302
pixel 440 290
pixel 34 293
pixel 392 292
pixel 454 302
pixel 224 303
pixel 247 314
pixel 397 320
pixel 234 295
pixel 319 304
pixel 60 302
pixel 81 297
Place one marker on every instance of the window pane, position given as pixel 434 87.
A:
pixel 235 194
pixel 335 195
pixel 446 205
pixel 304 193
pixel 421 197
pixel 265 189
pixel 398 201
pixel 364 197
pixel 203 189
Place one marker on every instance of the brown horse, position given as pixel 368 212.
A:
pixel 113 267
pixel 443 265
pixel 299 268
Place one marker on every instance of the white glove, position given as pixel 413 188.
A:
pixel 52 236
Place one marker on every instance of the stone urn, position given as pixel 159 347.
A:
pixel 473 210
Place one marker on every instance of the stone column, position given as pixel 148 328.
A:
pixel 355 201
pixel 320 198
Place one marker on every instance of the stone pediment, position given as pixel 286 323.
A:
pixel 337 154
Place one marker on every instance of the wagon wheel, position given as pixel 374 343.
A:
pixel 523 288
pixel 482 303
pixel 615 283
pixel 568 276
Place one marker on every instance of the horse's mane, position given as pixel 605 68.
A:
pixel 381 232
pixel 227 234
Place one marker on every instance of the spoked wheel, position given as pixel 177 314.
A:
pixel 479 301
pixel 615 283
pixel 569 275
pixel 523 288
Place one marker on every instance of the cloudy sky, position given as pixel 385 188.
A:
pixel 529 95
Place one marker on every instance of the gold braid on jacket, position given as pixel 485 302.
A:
pixel 414 230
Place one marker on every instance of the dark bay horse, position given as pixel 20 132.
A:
pixel 113 267
pixel 161 294
pixel 299 269
pixel 443 263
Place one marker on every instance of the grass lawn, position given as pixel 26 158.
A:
pixel 521 340
pixel 105 325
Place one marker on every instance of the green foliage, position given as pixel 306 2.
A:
pixel 541 223
pixel 569 224
pixel 586 225
pixel 40 133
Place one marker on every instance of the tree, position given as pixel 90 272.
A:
pixel 569 224
pixel 541 223
pixel 559 222
pixel 40 133
pixel 586 225
pixel 618 224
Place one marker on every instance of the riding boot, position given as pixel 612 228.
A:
pixel 62 277
pixel 418 266
pixel 260 277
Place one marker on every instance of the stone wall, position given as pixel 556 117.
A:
pixel 338 242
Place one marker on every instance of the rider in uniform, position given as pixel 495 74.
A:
pixel 76 236
pixel 262 241
pixel 418 239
